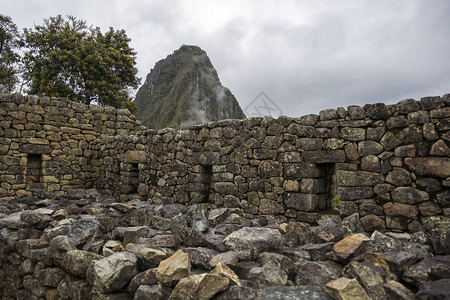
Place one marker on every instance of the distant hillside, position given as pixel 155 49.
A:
pixel 184 89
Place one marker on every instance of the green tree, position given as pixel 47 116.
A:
pixel 9 58
pixel 67 58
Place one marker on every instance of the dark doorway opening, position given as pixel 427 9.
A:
pixel 208 191
pixel 329 191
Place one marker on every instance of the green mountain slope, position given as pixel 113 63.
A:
pixel 184 89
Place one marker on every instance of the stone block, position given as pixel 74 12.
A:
pixel 301 170
pixel 430 166
pixel 397 122
pixel 353 134
pixel 308 144
pixel 355 193
pixel 358 178
pixel 399 177
pixel 302 202
pixel 269 168
pixel 408 195
pixel 324 156
pixel 401 210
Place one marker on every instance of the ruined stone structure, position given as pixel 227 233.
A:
pixel 389 163
pixel 47 144
pixel 219 211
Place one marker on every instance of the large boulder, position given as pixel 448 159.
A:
pixel 147 257
pixel 249 242
pixel 238 292
pixel 422 271
pixel 78 261
pixel 114 272
pixel 314 274
pixel 439 289
pixel 174 268
pixel 293 293
pixel 199 287
pixel 429 166
pixel 352 245
pixel 370 280
pixel 346 289
pixel 154 292
pixel 268 275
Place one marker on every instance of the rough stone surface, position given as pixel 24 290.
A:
pixel 115 271
pixel 202 287
pixel 174 268
pixel 351 245
pixel 344 288
pixel 250 242
pixel 82 178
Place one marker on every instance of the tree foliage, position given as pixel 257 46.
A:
pixel 68 58
pixel 9 58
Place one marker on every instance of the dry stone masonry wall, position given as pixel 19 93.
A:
pixel 218 211
pixel 46 143
pixel 389 163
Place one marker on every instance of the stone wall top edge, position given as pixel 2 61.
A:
pixel 18 98
pixel 401 107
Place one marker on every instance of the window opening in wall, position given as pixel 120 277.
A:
pixel 34 166
pixel 208 191
pixel 329 190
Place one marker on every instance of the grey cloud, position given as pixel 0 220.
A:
pixel 305 55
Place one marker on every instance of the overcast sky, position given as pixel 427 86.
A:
pixel 304 55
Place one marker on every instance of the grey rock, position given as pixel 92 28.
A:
pixel 229 258
pixel 318 251
pixel 330 231
pixel 421 272
pixel 439 289
pixel 397 291
pixel 285 263
pixel 147 277
pixel 293 293
pixel 146 257
pixel 399 177
pixel 156 291
pixel 238 292
pixel 200 257
pixel 78 261
pixel 355 193
pixel 251 241
pixel 218 215
pixel 429 166
pixel 314 274
pixel 268 275
pixel 115 271
pixel 397 122
pixel 78 231
pixel 58 247
pixel 399 261
pixel 370 280
pixel 408 195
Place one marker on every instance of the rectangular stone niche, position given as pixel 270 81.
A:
pixel 34 168
pixel 130 177
pixel 329 189
pixel 208 191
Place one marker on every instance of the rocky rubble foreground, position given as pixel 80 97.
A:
pixel 86 246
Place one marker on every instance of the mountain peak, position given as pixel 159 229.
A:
pixel 184 89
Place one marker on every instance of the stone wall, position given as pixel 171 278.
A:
pixel 389 163
pixel 46 143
